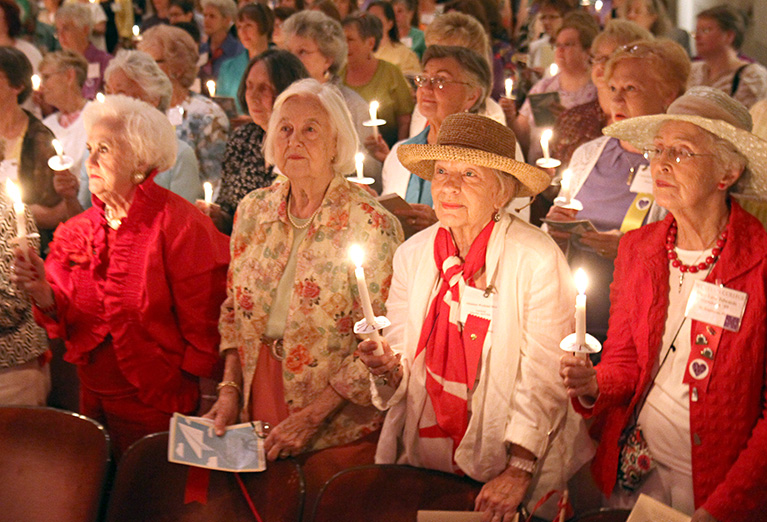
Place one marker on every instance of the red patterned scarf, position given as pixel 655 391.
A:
pixel 451 362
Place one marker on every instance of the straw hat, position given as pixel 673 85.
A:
pixel 475 139
pixel 714 111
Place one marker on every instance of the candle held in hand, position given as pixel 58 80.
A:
pixel 581 282
pixel 509 87
pixel 553 69
pixel 14 193
pixel 357 256
pixel 545 137
pixel 211 85
pixel 359 160
pixel 59 149
pixel 35 82
pixel 208 189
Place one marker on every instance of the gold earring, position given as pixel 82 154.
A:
pixel 137 178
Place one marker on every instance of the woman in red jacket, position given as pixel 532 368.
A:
pixel 133 285
pixel 680 392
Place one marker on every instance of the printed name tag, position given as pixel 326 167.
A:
pixel 474 302
pixel 716 305
pixel 642 182
pixel 94 70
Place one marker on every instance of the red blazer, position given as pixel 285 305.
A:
pixel 156 290
pixel 727 424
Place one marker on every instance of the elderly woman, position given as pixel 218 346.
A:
pixel 218 16
pixel 609 176
pixel 391 49
pixel 676 371
pixel 266 77
pixel 652 15
pixel 133 285
pixel 572 83
pixel 73 27
pixel 719 34
pixel 199 122
pixel 25 146
pixel 255 23
pixel 375 79
pixel 478 305
pixel 62 75
pixel 136 74
pixel 286 325
pixel 454 79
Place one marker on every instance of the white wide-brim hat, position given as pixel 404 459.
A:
pixel 716 112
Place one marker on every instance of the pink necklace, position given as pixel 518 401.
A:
pixel 674 258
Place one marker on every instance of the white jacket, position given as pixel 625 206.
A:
pixel 520 397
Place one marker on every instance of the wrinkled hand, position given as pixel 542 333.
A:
pixel 701 515
pixel 561 214
pixel 579 377
pixel 605 243
pixel 500 498
pixel 292 435
pixel 221 219
pixel 66 184
pixel 377 364
pixel 225 411
pixel 509 107
pixel 29 275
pixel 377 147
pixel 419 217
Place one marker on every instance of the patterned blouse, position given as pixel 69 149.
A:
pixel 244 167
pixel 319 341
pixel 205 128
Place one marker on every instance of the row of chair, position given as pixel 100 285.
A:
pixel 53 466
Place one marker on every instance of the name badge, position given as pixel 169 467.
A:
pixel 642 182
pixel 474 302
pixel 176 116
pixel 9 169
pixel 94 70
pixel 716 305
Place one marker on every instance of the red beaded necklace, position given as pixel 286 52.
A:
pixel 710 260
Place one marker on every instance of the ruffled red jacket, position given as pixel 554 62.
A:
pixel 156 290
pixel 727 424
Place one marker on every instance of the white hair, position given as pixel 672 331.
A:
pixel 147 130
pixel 340 120
pixel 227 8
pixel 80 14
pixel 141 68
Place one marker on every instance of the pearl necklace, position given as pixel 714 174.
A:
pixel 308 222
pixel 694 268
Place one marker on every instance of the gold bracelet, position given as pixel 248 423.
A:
pixel 224 384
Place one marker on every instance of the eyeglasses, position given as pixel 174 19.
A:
pixel 566 45
pixel 676 155
pixel 598 60
pixel 436 82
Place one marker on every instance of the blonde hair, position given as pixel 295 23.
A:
pixel 64 60
pixel 331 100
pixel 178 50
pixel 663 58
pixel 458 29
pixel 148 131
pixel 621 32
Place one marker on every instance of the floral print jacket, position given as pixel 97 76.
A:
pixel 319 340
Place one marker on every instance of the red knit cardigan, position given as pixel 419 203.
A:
pixel 727 424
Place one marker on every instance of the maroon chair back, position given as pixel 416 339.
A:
pixel 605 515
pixel 392 493
pixel 52 465
pixel 149 488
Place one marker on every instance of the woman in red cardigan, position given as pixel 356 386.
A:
pixel 134 284
pixel 685 359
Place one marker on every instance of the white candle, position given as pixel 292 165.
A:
pixel 211 85
pixel 59 149
pixel 359 159
pixel 100 97
pixel 357 256
pixel 581 282
pixel 509 87
pixel 35 82
pixel 18 207
pixel 545 137
pixel 564 185
pixel 136 31
pixel 374 116
pixel 208 188
pixel 553 69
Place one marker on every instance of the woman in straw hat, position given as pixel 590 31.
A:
pixel 479 303
pixel 685 356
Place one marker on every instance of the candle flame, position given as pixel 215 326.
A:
pixel 100 97
pixel 509 87
pixel 211 85
pixel 357 255
pixel 36 82
pixel 553 69
pixel 208 188
pixel 136 30
pixel 374 110
pixel 14 192
pixel 598 5
pixel 58 147
pixel 581 281
pixel 546 137
pixel 565 183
